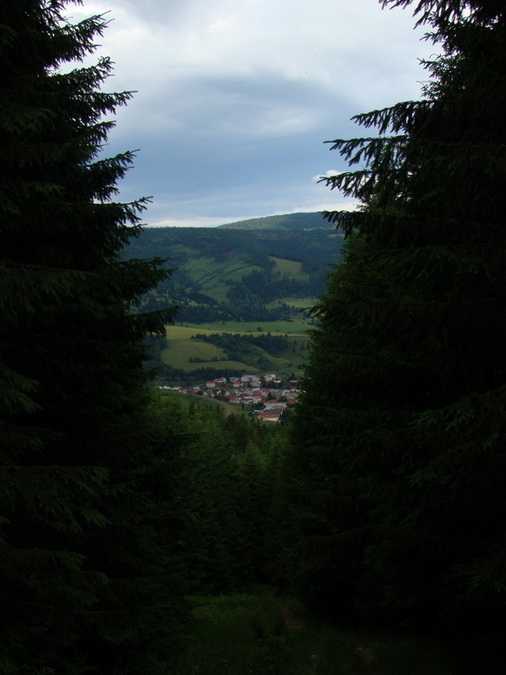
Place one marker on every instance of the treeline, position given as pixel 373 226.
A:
pixel 178 376
pixel 268 286
pixel 249 308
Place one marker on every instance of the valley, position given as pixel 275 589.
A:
pixel 243 293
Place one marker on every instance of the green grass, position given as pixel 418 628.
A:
pixel 184 348
pixel 289 268
pixel 262 634
pixel 178 358
pixel 210 274
pixel 181 348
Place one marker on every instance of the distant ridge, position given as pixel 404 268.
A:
pixel 287 221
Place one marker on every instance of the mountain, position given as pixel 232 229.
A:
pixel 288 221
pixel 262 269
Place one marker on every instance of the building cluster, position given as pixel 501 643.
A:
pixel 268 395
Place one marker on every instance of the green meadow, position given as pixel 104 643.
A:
pixel 185 352
pixel 289 268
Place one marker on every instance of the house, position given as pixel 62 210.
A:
pixel 253 379
pixel 269 415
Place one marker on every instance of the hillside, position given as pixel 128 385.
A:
pixel 264 269
pixel 287 221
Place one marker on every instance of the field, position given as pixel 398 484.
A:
pixel 289 268
pixel 184 352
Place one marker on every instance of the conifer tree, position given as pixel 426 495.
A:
pixel 86 477
pixel 398 466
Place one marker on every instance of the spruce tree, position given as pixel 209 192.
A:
pixel 398 466
pixel 86 477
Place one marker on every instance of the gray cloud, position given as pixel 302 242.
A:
pixel 236 97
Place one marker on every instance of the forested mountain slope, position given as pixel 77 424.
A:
pixel 239 274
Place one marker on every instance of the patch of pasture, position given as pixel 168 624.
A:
pixel 186 352
pixel 288 268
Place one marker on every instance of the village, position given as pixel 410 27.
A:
pixel 267 396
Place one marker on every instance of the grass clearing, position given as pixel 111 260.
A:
pixel 288 268
pixel 185 348
pixel 257 634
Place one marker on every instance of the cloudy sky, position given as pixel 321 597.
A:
pixel 235 98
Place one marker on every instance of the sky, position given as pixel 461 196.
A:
pixel 235 98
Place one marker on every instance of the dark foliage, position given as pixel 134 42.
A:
pixel 87 575
pixel 399 463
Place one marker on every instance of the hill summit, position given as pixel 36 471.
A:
pixel 287 221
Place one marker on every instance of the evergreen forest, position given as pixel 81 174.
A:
pixel 144 532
